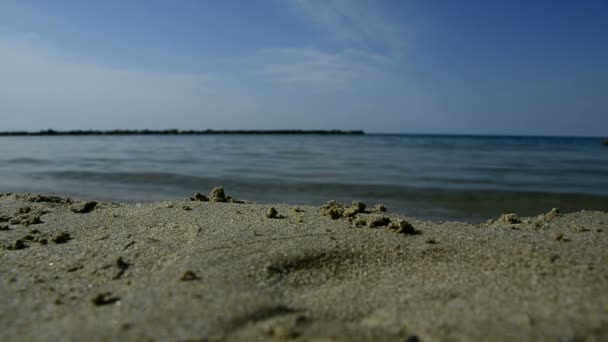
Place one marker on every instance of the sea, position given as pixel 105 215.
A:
pixel 432 177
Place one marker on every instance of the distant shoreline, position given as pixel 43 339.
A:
pixel 51 132
pixel 285 132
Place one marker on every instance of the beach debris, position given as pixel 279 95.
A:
pixel 412 338
pixel 35 236
pixel 199 197
pixel 47 199
pixel 187 208
pixel 378 208
pixel 104 298
pixel 282 327
pixel 217 194
pixel 272 213
pixel 299 210
pixel 358 206
pixel 131 243
pixel 333 209
pixel 27 219
pixel 17 245
pixel 402 227
pixel 122 267
pixel 378 221
pixel 188 276
pixel 561 237
pixel 83 207
pixel 359 222
pixel 74 268
pixel 431 241
pixel 553 213
pixel 355 208
pixel 24 210
pixel 337 210
pixel 62 238
pixel 509 219
pixel 352 213
pixel 543 219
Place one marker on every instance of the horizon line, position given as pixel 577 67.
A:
pixel 175 131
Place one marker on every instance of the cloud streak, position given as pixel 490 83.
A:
pixel 365 46
pixel 308 67
pixel 354 22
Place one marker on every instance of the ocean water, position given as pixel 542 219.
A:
pixel 467 178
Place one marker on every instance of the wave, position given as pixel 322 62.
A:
pixel 423 202
pixel 253 184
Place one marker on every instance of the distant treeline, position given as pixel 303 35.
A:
pixel 183 132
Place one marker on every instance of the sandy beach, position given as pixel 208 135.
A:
pixel 212 269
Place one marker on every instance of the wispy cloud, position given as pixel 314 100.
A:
pixel 308 67
pixel 363 45
pixel 362 23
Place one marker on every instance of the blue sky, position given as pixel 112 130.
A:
pixel 463 67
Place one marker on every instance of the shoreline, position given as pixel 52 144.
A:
pixel 214 269
pixel 472 206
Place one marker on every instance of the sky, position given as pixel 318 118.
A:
pixel 392 66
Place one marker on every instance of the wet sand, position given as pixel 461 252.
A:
pixel 196 270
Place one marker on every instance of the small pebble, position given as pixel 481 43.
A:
pixel 509 219
pixel 402 227
pixel 104 299
pixel 359 222
pixel 62 238
pixel 24 210
pixel 17 245
pixel 83 207
pixel 378 221
pixel 199 197
pixel 379 208
pixel 188 276
pixel 333 209
pixel 412 338
pixel 217 194
pixel 272 213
